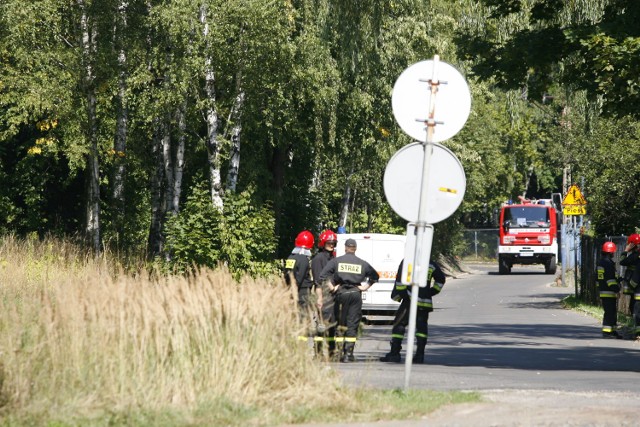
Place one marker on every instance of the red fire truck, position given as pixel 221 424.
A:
pixel 528 235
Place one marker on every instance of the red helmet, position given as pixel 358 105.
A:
pixel 634 238
pixel 609 247
pixel 328 236
pixel 304 239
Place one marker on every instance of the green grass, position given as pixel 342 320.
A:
pixel 361 406
pixel 596 311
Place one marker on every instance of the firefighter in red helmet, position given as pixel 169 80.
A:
pixel 298 268
pixel 630 259
pixel 326 331
pixel 609 288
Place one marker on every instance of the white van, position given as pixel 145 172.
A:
pixel 384 252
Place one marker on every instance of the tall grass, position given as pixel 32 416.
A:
pixel 77 338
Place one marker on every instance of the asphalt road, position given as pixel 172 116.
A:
pixel 497 332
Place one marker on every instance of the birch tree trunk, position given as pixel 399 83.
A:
pixel 122 121
pixel 277 166
pixel 167 162
pixel 213 149
pixel 179 159
pixel 234 161
pixel 88 33
pixel 346 196
pixel 158 202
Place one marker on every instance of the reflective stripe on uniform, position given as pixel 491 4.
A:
pixel 612 282
pixel 421 335
pixel 425 303
pixel 607 328
pixel 607 294
pixel 438 286
pixel 301 338
pixel 350 339
pixel 399 336
pixel 318 339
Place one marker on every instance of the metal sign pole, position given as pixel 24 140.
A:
pixel 421 224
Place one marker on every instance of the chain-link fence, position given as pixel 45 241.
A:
pixel 591 253
pixel 481 244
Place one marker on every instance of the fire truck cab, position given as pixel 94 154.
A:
pixel 528 235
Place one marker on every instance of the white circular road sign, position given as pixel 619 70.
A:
pixel 403 178
pixel 411 95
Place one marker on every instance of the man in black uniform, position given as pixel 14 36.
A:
pixel 326 331
pixel 630 259
pixel 609 288
pixel 402 293
pixel 298 265
pixel 345 275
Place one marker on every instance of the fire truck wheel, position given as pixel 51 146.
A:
pixel 503 266
pixel 550 266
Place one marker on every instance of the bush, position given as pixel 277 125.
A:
pixel 241 237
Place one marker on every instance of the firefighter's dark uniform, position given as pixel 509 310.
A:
pixel 630 260
pixel 298 265
pixel 609 288
pixel 402 293
pixel 349 272
pixel 635 284
pixel 327 324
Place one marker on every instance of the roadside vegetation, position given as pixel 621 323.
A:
pixel 83 343
pixel 571 302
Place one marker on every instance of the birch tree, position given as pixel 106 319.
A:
pixel 88 42
pixel 211 141
pixel 122 115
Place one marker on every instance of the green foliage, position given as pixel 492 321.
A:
pixel 609 159
pixel 534 44
pixel 191 236
pixel 246 235
pixel 317 78
pixel 241 237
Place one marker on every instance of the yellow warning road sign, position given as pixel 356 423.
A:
pixel 574 197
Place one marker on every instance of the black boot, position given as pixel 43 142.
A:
pixel 394 355
pixel 348 356
pixel 418 358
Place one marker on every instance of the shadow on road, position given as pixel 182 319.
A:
pixel 527 347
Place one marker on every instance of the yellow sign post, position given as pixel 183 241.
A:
pixel 574 202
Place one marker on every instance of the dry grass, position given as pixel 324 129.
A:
pixel 79 340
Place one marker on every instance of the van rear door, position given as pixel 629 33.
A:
pixel 385 257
